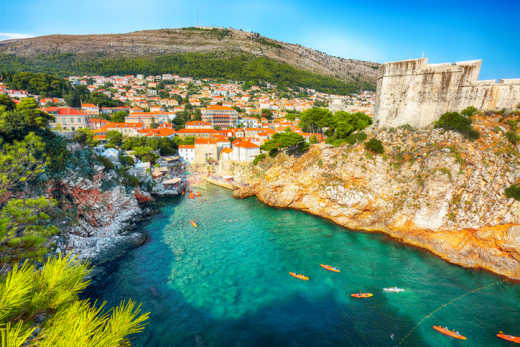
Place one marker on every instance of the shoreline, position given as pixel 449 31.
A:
pixel 400 236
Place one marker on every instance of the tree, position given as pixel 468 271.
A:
pixel 315 119
pixel 469 111
pixel 146 154
pixel 375 146
pixel 25 229
pixel 52 293
pixel 84 137
pixel 114 138
pixel 266 113
pixel 21 162
pixel 288 140
pixel 119 116
pixel 6 104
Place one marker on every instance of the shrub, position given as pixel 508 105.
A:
pixel 356 137
pixel 375 146
pixel 513 191
pixel 512 137
pixel 459 123
pixel 259 158
pixel 105 162
pixel 469 111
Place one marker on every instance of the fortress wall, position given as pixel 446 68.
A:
pixel 416 93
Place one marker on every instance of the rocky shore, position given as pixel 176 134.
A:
pixel 431 188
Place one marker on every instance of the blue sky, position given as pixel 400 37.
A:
pixel 370 30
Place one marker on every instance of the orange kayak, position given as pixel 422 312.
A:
pixel 450 333
pixel 330 268
pixel 193 223
pixel 515 339
pixel 362 295
pixel 192 196
pixel 299 276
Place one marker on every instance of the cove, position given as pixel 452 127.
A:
pixel 226 283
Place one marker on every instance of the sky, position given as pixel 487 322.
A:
pixel 376 30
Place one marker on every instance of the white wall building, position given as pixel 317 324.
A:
pixel 187 152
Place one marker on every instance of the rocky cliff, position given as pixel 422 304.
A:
pixel 431 188
pixel 200 40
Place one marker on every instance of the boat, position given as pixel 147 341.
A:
pixel 511 338
pixel 361 295
pixel 299 276
pixel 198 194
pixel 448 332
pixel 330 268
pixel 192 196
pixel 393 290
pixel 193 223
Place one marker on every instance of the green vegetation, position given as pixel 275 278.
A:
pixel 163 145
pixel 374 146
pixel 291 142
pixel 84 137
pixel 238 67
pixel 259 158
pixel 43 84
pixel 28 294
pixel 460 123
pixel 513 191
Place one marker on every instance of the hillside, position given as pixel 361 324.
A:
pixel 431 188
pixel 80 53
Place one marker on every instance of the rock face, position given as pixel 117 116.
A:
pixel 104 217
pixel 202 40
pixel 432 189
pixel 416 93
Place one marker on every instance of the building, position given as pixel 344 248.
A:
pixel 220 116
pixel 197 133
pixel 197 124
pixel 90 109
pixel 416 93
pixel 244 150
pixel 187 152
pixel 249 122
pixel 205 150
pixel 67 118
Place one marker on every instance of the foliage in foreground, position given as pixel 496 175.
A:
pixel 259 158
pixel 28 295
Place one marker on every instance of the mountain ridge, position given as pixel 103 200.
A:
pixel 192 40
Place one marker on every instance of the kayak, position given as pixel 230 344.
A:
pixel 192 196
pixel 393 290
pixel 362 295
pixel 193 223
pixel 511 338
pixel 330 268
pixel 450 333
pixel 299 276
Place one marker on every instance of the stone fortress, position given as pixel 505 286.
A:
pixel 416 93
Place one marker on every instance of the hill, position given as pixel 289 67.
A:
pixel 201 52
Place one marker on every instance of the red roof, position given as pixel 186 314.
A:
pixel 187 146
pixel 244 143
pixel 220 108
pixel 197 131
pixel 71 112
pixel 202 141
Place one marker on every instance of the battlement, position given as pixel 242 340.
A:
pixel 416 93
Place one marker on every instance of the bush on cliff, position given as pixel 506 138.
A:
pixel 27 295
pixel 513 191
pixel 375 146
pixel 459 123
pixel 259 158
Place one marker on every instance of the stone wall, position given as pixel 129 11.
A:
pixel 416 93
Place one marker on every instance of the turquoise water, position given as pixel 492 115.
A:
pixel 226 283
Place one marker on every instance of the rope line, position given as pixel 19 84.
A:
pixel 443 306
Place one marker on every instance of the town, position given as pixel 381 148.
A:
pixel 210 120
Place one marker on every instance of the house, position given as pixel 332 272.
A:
pixel 249 122
pixel 197 133
pixel 205 150
pixel 197 124
pixel 68 118
pixel 187 152
pixel 244 150
pixel 220 116
pixel 90 109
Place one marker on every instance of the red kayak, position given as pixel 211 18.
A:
pixel 330 268
pixel 511 338
pixel 450 333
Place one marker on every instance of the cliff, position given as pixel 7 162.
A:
pixel 191 40
pixel 431 189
